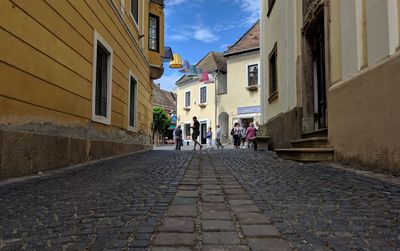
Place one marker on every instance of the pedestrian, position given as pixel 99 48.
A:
pixel 174 135
pixel 250 135
pixel 243 134
pixel 236 135
pixel 209 139
pixel 218 135
pixel 257 126
pixel 196 133
pixel 178 138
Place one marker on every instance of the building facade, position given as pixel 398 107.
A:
pixel 239 101
pixel 330 71
pixel 197 98
pixel 78 80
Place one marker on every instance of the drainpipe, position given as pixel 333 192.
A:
pixel 215 94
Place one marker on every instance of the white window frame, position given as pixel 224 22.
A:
pixel 97 118
pixel 184 99
pixel 247 73
pixel 203 103
pixel 131 15
pixel 134 127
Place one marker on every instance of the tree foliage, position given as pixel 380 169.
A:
pixel 161 122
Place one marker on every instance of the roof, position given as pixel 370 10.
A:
pixel 213 61
pixel 163 98
pixel 248 42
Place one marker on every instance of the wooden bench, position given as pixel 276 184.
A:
pixel 262 142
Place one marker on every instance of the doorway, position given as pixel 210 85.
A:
pixel 245 122
pixel 203 132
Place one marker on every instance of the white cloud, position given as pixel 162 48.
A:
pixel 251 8
pixel 167 82
pixel 177 38
pixel 204 34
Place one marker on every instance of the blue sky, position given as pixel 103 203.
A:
pixel 195 27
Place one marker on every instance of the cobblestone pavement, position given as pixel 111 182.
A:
pixel 208 200
pixel 317 206
pixel 112 204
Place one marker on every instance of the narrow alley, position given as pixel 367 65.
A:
pixel 204 200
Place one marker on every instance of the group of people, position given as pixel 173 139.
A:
pixel 244 134
pixel 240 136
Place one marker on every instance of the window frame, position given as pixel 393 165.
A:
pixel 248 72
pixel 157 33
pixel 132 14
pixel 201 87
pixel 273 93
pixel 96 40
pixel 190 99
pixel 135 122
pixel 271 4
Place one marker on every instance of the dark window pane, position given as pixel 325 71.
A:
pixel 135 10
pixel 187 99
pixel 253 75
pixel 203 95
pixel 132 102
pixel 101 81
pixel 154 33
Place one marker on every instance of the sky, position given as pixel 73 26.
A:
pixel 195 27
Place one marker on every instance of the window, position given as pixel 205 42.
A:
pixel 271 4
pixel 203 95
pixel 187 130
pixel 252 75
pixel 102 76
pixel 187 99
pixel 132 104
pixel 154 34
pixel 273 74
pixel 135 10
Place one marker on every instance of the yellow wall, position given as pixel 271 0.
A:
pixel 202 114
pixel 46 61
pixel 237 94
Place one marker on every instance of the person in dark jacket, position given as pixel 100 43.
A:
pixel 196 132
pixel 178 138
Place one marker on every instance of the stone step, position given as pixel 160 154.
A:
pixel 318 142
pixel 315 134
pixel 306 154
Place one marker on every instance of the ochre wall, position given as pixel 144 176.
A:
pixel 46 64
pixel 364 119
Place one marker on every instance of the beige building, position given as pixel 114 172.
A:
pixel 330 70
pixel 76 80
pixel 239 100
pixel 197 98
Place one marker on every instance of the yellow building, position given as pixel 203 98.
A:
pixel 331 80
pixel 239 100
pixel 197 98
pixel 77 80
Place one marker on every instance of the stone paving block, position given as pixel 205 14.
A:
pixel 218 225
pixel 240 202
pixel 170 249
pixel 174 239
pixel 210 187
pixel 186 187
pixel 252 218
pixel 220 238
pixel 184 201
pixel 212 192
pixel 187 194
pixel 237 186
pixel 212 198
pixel 260 231
pixel 182 211
pixel 177 225
pixel 214 206
pixel 245 209
pixel 269 244
pixel 216 215
pixel 235 191
pixel 224 248
pixel 240 196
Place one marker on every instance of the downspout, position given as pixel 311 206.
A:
pixel 215 94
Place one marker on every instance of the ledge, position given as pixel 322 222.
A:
pixel 252 87
pixel 273 97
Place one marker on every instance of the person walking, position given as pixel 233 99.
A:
pixel 243 135
pixel 218 135
pixel 178 138
pixel 236 135
pixel 209 139
pixel 196 133
pixel 250 135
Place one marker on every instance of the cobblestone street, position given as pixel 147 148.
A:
pixel 208 200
